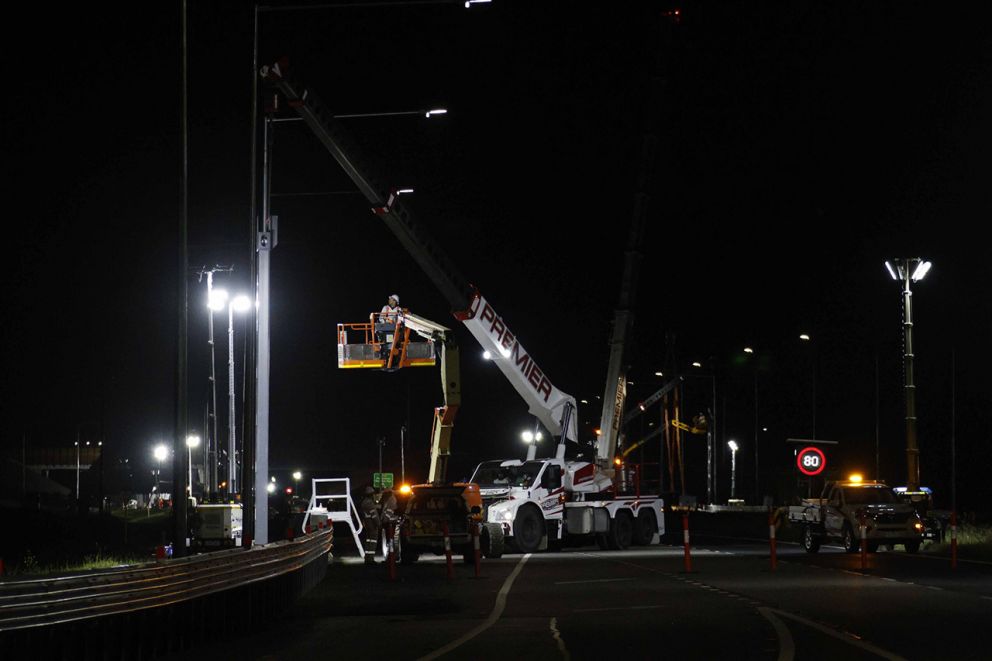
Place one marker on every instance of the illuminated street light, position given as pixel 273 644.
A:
pixel 748 350
pixel 160 452
pixel 697 364
pixel 733 467
pixel 192 441
pixel 804 337
pixel 436 111
pixel 909 270
pixel 297 475
pixel 217 299
pixel 486 355
pixel 240 304
pixel 271 487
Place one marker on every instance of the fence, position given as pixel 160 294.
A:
pixel 156 608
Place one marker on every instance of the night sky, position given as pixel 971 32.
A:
pixel 799 146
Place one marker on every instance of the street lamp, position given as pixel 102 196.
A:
pixel 531 438
pixel 297 475
pixel 909 270
pixel 733 468
pixel 160 452
pixel 192 441
pixel 216 300
pixel 237 304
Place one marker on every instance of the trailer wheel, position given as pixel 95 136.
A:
pixel 811 542
pixel 528 529
pixel 621 531
pixel 491 540
pixel 645 528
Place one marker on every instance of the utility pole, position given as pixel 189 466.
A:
pixel 382 442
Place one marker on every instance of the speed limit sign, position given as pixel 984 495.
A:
pixel 811 461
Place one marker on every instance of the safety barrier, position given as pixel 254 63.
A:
pixel 195 598
pixel 337 506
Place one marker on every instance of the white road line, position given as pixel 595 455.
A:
pixel 593 580
pixel 984 597
pixel 786 646
pixel 491 620
pixel 618 608
pixel 868 647
pixel 561 643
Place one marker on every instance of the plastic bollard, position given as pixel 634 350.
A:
pixel 391 551
pixel 309 529
pixel 864 542
pixel 447 550
pixel 771 540
pixel 475 545
pixel 954 540
pixel 685 542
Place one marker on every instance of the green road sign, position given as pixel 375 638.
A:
pixel 382 480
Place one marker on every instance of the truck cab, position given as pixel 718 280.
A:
pixel 845 506
pixel 525 498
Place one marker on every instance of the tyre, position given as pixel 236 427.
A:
pixel 491 540
pixel 850 543
pixel 621 531
pixel 811 543
pixel 528 529
pixel 645 528
pixel 602 542
pixel 912 547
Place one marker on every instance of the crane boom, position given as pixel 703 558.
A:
pixel 554 408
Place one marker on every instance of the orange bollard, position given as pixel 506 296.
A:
pixel 289 533
pixel 771 538
pixel 685 542
pixel 447 550
pixel 954 540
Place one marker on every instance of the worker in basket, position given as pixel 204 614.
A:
pixel 386 324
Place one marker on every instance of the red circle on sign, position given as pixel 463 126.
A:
pixel 811 461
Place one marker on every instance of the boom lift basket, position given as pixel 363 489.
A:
pixel 377 345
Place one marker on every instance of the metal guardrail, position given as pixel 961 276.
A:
pixel 40 602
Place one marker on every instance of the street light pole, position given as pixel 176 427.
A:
pixel 192 441
pixel 909 270
pixel 733 468
pixel 77 463
pixel 238 304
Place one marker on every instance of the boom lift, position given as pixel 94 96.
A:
pixel 524 500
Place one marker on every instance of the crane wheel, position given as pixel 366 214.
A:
pixel 621 531
pixel 528 529
pixel 644 528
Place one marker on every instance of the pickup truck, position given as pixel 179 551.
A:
pixel 839 513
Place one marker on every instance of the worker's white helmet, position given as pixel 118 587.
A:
pixel 395 297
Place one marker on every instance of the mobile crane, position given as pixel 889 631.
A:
pixel 527 501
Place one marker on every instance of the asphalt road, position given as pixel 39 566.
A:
pixel 592 604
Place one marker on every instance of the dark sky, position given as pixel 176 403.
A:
pixel 800 145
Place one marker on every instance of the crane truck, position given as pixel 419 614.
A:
pixel 530 512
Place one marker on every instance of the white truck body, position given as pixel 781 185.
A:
pixel 545 502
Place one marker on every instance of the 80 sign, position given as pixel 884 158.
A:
pixel 811 461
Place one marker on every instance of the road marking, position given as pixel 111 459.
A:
pixel 786 646
pixel 593 580
pixel 618 608
pixel 847 638
pixel 984 597
pixel 491 620
pixel 561 643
